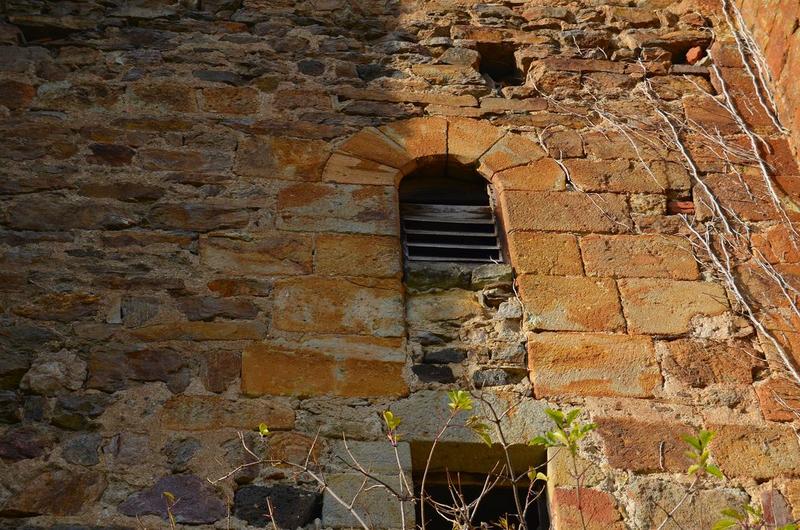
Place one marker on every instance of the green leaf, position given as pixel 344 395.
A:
pixel 538 440
pixel 730 512
pixel 556 415
pixel 169 496
pixel 790 526
pixel 694 442
pixel 722 524
pixel 693 469
pixel 459 400
pixel 705 437
pixel 480 429
pixel 263 430
pixel 714 470
pixel 541 476
pixel 571 415
pixel 392 421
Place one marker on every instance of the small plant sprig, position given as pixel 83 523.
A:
pixel 568 432
pixel 748 517
pixel 392 423
pixel 699 454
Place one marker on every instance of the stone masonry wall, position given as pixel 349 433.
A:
pixel 199 232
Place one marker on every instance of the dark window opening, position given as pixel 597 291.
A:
pixel 466 466
pixel 446 213
pixel 499 63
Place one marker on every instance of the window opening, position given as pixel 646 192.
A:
pixel 464 466
pixel 499 63
pixel 447 214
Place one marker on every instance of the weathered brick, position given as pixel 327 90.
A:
pixel 699 363
pixel 555 211
pixel 351 170
pixel 751 451
pixel 631 17
pixel 710 114
pixel 272 369
pixel 419 137
pixel 358 255
pixel 501 105
pixel 635 256
pixel 627 176
pixel 611 145
pixel 544 253
pixel 779 398
pixel 230 100
pixel 209 307
pixel 328 305
pixel 573 303
pixel 281 158
pixel 198 217
pixel 591 510
pixel 543 175
pixel 261 254
pixel 339 208
pixel 205 413
pixel 590 364
pixel 510 151
pixel 667 307
pixel 644 445
pixel 468 139
pixel 60 213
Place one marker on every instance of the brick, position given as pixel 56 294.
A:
pixel 742 92
pixel 420 137
pixel 571 303
pixel 599 510
pixel 451 305
pixel 544 253
pixel 281 158
pixel 543 175
pixel 751 451
pixel 631 17
pixel 271 369
pixel 197 217
pixel 261 254
pixel 166 96
pixel 220 368
pixel 555 211
pixel 351 170
pixel 639 256
pixel 779 398
pixel 510 151
pixel 780 157
pixel 206 413
pixel 644 446
pixel 468 139
pixel 699 363
pixel 627 176
pixel 230 100
pixel 328 305
pixel 358 255
pixel 184 160
pixel 562 143
pixel 589 364
pixel 339 208
pixel 667 307
pixel 210 307
pixel 371 144
pixel 201 331
pixel 447 74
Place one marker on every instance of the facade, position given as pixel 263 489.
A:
pixel 217 214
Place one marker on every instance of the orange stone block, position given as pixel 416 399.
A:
pixel 755 452
pixel 351 170
pixel 371 144
pixel 599 510
pixel 642 256
pixel 510 151
pixel 420 137
pixel 358 255
pixel 572 303
pixel 272 369
pixel 545 253
pixel 280 158
pixel 202 331
pixel 565 211
pixel 644 446
pixel 468 139
pixel 542 175
pixel 592 364
pixel 779 398
pixel 260 254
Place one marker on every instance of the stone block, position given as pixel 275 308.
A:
pixel 510 151
pixel 230 100
pixel 61 307
pixel 592 365
pixel 751 451
pixel 604 145
pixel 375 457
pixel 199 503
pixel 275 157
pixel 779 398
pixel 652 445
pixel 667 307
pixel 419 137
pixel 257 253
pixel 183 160
pixel 276 370
pixel 371 144
pixel 738 195
pixel 571 303
pixel 591 510
pixel 294 507
pixel 202 331
pixel 555 211
pixel 16 95
pixel 700 363
pixel 206 413
pixel 377 507
pixel 347 169
pixel 545 253
pixel 358 255
pixel 452 305
pixel 468 139
pixel 339 208
pixel 627 176
pixel 328 305
pixel 710 114
pixel 198 217
pixel 165 96
pixel 543 175
pixel 59 492
pixel 639 256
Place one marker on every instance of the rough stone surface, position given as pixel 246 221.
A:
pixel 641 256
pixel 293 507
pixel 758 452
pixel 198 503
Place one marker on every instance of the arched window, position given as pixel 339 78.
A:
pixel 447 214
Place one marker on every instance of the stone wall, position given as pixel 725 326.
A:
pixel 200 232
pixel 774 26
